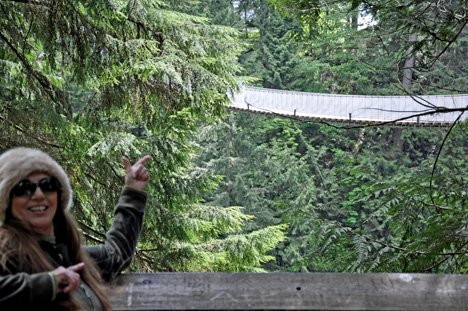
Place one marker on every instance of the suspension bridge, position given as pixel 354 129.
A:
pixel 404 111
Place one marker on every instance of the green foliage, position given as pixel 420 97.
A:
pixel 92 81
pixel 362 47
pixel 354 200
pixel 270 53
pixel 425 227
pixel 397 218
pixel 219 12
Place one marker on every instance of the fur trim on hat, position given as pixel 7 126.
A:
pixel 17 163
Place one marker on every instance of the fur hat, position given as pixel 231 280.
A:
pixel 17 163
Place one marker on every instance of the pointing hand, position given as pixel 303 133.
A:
pixel 68 279
pixel 136 175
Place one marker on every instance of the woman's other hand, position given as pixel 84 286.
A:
pixel 68 279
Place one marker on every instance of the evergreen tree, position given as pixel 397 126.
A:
pixel 373 199
pixel 91 81
pixel 403 37
pixel 263 172
pixel 219 12
pixel 270 56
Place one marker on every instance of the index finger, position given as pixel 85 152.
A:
pixel 143 160
pixel 77 267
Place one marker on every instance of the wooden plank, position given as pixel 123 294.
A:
pixel 290 291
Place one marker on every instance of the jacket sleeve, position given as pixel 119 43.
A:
pixel 23 290
pixel 117 253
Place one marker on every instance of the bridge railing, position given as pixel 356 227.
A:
pixel 351 109
pixel 290 291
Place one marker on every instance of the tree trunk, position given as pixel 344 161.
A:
pixel 409 63
pixel 354 20
pixel 228 164
pixel 397 141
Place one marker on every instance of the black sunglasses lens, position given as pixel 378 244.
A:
pixel 49 185
pixel 26 188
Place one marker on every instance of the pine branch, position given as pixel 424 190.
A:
pixel 401 249
pixel 433 204
pixel 92 238
pixel 54 93
pixel 36 2
pixel 439 207
pixel 450 42
pixel 27 133
pixel 91 229
pixel 145 260
pixel 149 250
pixel 438 155
pixel 122 179
pixel 447 256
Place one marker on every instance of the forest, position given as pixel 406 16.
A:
pixel 92 81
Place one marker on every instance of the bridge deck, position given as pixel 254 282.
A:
pixel 352 109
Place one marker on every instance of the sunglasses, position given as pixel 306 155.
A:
pixel 27 188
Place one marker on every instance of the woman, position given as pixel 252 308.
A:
pixel 42 263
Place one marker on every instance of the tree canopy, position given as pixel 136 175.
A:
pixel 92 81
pixel 390 40
pixel 376 199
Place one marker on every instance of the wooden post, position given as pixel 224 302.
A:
pixel 290 291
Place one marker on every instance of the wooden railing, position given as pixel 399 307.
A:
pixel 290 291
